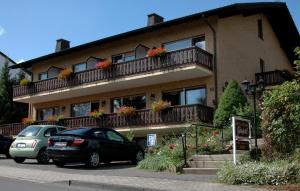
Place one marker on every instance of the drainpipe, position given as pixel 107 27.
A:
pixel 214 59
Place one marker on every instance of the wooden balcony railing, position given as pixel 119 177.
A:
pixel 275 77
pixel 171 60
pixel 143 118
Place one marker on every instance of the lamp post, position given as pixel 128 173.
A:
pixel 252 89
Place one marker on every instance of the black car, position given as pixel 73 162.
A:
pixel 5 143
pixel 92 146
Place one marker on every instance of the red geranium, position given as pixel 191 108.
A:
pixel 104 64
pixel 153 52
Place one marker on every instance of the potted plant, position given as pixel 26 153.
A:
pixel 55 118
pixel 25 82
pixel 104 64
pixel 28 121
pixel 160 105
pixel 126 111
pixel 65 74
pixel 97 113
pixel 156 52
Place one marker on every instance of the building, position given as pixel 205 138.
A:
pixel 204 51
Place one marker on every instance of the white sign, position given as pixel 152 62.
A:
pixel 151 140
pixel 241 134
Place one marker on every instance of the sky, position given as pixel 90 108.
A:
pixel 29 29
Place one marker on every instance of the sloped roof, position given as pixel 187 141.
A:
pixel 276 12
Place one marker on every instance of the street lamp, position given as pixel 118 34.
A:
pixel 252 90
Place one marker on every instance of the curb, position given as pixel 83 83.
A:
pixel 106 186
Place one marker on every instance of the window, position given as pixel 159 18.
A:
pixel 50 132
pixel 138 102
pixel 185 43
pixel 44 114
pixel 112 136
pixel 186 96
pixel 262 65
pixel 123 57
pixel 79 67
pixel 30 131
pixel 99 134
pixel 43 76
pixel 80 109
pixel 260 29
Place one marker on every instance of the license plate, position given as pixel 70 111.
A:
pixel 60 144
pixel 21 145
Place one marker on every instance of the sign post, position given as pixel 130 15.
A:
pixel 151 140
pixel 241 135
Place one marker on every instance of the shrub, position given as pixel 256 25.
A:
pixel 297 62
pixel 280 120
pixel 65 73
pixel 156 52
pixel 160 105
pixel 130 135
pixel 104 64
pixel 126 111
pixel 25 82
pixel 275 173
pixel 232 98
pixel 97 113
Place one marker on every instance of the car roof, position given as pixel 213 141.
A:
pixel 44 126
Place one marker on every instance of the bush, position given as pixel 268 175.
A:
pixel 280 120
pixel 25 82
pixel 275 173
pixel 232 98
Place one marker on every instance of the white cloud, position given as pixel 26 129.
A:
pixel 21 60
pixel 2 31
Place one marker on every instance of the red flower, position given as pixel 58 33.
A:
pixel 153 52
pixel 216 132
pixel 104 64
pixel 171 146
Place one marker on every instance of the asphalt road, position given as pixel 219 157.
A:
pixel 19 185
pixel 114 169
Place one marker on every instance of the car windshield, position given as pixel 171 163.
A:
pixel 81 131
pixel 30 131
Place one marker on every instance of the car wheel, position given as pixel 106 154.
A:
pixel 139 156
pixel 19 160
pixel 59 163
pixel 93 160
pixel 43 157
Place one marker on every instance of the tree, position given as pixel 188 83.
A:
pixel 297 62
pixel 6 101
pixel 232 99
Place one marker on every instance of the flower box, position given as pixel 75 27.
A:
pixel 160 105
pixel 65 74
pixel 97 113
pixel 28 121
pixel 127 111
pixel 156 52
pixel 104 64
pixel 25 82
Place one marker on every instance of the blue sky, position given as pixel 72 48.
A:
pixel 29 29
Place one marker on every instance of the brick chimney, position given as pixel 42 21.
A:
pixel 62 44
pixel 154 19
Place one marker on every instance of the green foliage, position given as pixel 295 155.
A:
pixel 297 62
pixel 232 98
pixel 6 102
pixel 163 157
pixel 130 135
pixel 275 173
pixel 281 120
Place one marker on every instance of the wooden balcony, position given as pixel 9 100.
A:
pixel 143 118
pixel 172 60
pixel 273 78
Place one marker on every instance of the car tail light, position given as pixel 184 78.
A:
pixel 49 142
pixel 34 143
pixel 77 142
